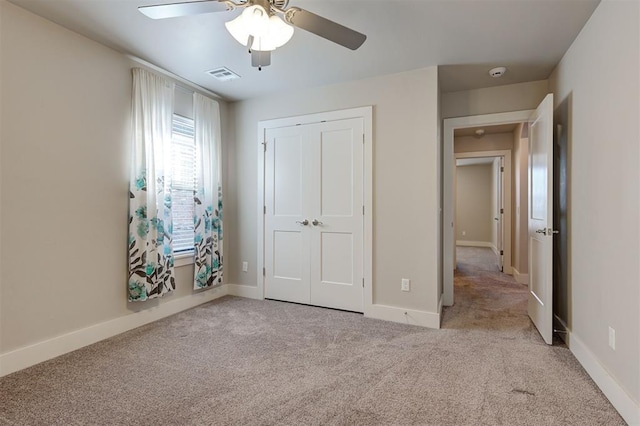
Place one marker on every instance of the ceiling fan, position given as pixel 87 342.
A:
pixel 260 27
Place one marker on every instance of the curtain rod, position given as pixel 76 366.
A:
pixel 181 82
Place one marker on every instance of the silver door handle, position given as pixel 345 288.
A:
pixel 304 222
pixel 547 231
pixel 316 222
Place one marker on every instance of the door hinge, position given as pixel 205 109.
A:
pixel 502 169
pixel 264 209
pixel 501 252
pixel 501 210
pixel 264 271
pixel 363 282
pixel 363 138
pixel 362 210
pixel 264 146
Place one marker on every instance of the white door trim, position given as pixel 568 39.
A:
pixel 506 237
pixel 366 113
pixel 448 240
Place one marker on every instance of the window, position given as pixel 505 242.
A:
pixel 183 152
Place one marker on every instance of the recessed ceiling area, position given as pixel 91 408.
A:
pixel 465 38
pixel 481 161
pixel 488 130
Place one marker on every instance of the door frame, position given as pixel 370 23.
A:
pixel 366 113
pixel 506 189
pixel 448 237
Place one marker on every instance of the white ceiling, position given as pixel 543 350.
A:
pixel 466 37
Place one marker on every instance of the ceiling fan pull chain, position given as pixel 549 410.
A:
pixel 250 43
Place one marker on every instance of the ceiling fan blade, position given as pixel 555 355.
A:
pixel 325 28
pixel 174 10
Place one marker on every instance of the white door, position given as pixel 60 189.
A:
pixel 313 218
pixel 286 237
pixel 336 214
pixel 500 212
pixel 541 218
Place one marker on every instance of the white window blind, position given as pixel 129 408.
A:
pixel 184 183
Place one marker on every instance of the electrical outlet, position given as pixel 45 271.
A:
pixel 612 338
pixel 245 266
pixel 405 284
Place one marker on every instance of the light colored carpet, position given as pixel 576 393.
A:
pixel 245 362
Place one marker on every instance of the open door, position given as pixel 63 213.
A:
pixel 500 212
pixel 541 231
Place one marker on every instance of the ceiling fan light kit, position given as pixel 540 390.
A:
pixel 268 33
pixel 259 28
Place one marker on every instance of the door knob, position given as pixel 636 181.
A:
pixel 547 231
pixel 316 222
pixel 304 222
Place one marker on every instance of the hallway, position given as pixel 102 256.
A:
pixel 485 298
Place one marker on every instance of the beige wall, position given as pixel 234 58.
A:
pixel 599 77
pixel 473 203
pixel 65 151
pixel 406 176
pixel 490 142
pixel 520 190
pixel 512 97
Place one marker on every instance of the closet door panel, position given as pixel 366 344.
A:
pixel 287 202
pixel 336 210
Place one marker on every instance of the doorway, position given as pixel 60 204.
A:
pixel 539 212
pixel 482 204
pixel 449 156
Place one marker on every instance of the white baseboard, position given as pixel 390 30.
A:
pixel 248 291
pixel 628 408
pixel 404 316
pixel 521 278
pixel 36 353
pixel 475 244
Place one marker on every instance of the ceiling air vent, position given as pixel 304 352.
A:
pixel 223 74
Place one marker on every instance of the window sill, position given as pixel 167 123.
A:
pixel 183 259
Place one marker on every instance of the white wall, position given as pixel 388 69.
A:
pixel 512 97
pixel 599 76
pixel 406 176
pixel 65 164
pixel 473 203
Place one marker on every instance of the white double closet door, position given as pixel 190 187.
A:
pixel 313 227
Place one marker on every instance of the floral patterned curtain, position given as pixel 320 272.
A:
pixel 208 196
pixel 151 272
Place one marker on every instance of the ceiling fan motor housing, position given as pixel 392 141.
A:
pixel 280 4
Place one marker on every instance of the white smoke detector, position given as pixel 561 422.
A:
pixel 497 72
